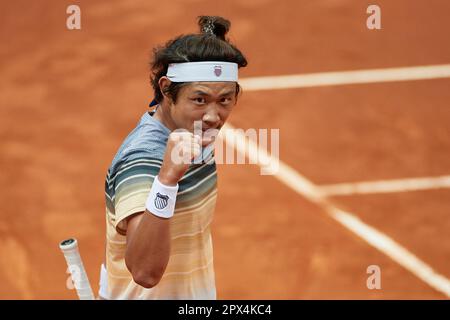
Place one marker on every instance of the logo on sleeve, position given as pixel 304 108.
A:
pixel 161 201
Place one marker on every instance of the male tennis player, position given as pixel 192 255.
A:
pixel 158 208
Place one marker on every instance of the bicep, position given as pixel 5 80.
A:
pixel 132 184
pixel 132 225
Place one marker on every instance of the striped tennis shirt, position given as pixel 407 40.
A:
pixel 189 273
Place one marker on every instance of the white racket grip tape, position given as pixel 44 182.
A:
pixel 103 283
pixel 69 248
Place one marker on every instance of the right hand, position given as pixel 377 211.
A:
pixel 182 147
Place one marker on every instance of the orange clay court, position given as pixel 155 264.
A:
pixel 376 154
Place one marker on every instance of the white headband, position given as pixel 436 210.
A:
pixel 203 71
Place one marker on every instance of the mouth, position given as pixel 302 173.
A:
pixel 216 128
pixel 211 136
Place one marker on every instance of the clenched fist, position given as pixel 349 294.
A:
pixel 182 147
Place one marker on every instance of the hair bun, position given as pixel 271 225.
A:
pixel 215 25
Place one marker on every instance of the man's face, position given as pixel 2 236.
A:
pixel 207 102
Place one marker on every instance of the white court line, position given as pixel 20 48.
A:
pixel 310 191
pixel 346 77
pixel 385 186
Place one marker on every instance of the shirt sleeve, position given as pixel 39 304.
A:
pixel 132 184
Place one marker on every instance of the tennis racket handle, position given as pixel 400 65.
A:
pixel 69 248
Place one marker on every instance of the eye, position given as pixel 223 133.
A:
pixel 225 101
pixel 199 100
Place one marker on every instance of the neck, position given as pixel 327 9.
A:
pixel 162 114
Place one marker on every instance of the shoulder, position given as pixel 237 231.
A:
pixel 147 141
pixel 149 138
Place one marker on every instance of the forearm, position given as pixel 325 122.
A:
pixel 148 249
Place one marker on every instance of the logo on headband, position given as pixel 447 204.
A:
pixel 218 70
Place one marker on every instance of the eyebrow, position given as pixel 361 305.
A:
pixel 207 94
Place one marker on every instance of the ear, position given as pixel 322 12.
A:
pixel 164 84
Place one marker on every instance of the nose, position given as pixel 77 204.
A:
pixel 211 118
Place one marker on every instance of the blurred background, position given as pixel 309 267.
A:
pixel 68 98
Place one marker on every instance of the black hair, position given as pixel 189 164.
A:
pixel 208 45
